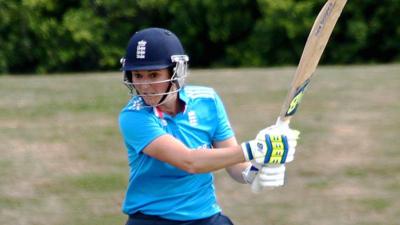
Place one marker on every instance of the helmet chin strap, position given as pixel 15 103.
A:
pixel 164 97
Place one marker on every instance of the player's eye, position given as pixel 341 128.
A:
pixel 153 75
pixel 137 76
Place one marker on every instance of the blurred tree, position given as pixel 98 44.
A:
pixel 207 27
pixel 369 33
pixel 45 36
pixel 278 37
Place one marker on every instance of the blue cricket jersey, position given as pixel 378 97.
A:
pixel 156 187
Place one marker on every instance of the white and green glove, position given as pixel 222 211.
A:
pixel 273 148
pixel 270 176
pixel 273 145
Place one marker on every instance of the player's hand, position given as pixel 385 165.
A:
pixel 268 176
pixel 271 176
pixel 250 173
pixel 273 145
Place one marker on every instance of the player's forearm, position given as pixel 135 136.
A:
pixel 207 160
pixel 236 170
pixel 170 150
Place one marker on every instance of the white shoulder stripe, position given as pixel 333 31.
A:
pixel 199 88
pixel 200 92
pixel 201 95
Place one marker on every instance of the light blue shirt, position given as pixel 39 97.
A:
pixel 156 187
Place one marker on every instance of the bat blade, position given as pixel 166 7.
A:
pixel 312 52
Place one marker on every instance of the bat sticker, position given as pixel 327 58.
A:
pixel 324 18
pixel 297 98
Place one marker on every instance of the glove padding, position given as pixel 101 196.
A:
pixel 268 176
pixel 272 176
pixel 273 145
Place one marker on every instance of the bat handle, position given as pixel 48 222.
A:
pixel 256 185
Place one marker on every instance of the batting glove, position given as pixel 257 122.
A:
pixel 268 176
pixel 273 145
pixel 271 176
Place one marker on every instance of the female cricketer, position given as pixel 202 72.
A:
pixel 176 135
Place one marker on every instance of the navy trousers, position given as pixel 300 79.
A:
pixel 142 219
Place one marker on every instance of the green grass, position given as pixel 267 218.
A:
pixel 63 162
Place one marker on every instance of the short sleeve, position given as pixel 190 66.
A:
pixel 139 129
pixel 223 130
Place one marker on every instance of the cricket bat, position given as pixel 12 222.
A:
pixel 312 52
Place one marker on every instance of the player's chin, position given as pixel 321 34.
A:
pixel 151 100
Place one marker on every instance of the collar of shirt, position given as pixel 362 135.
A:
pixel 181 95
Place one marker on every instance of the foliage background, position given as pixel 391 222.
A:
pixel 47 36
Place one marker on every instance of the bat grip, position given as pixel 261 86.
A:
pixel 256 185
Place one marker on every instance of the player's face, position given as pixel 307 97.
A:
pixel 151 84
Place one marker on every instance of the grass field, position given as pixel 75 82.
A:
pixel 62 160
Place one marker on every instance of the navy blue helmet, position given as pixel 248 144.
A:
pixel 155 49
